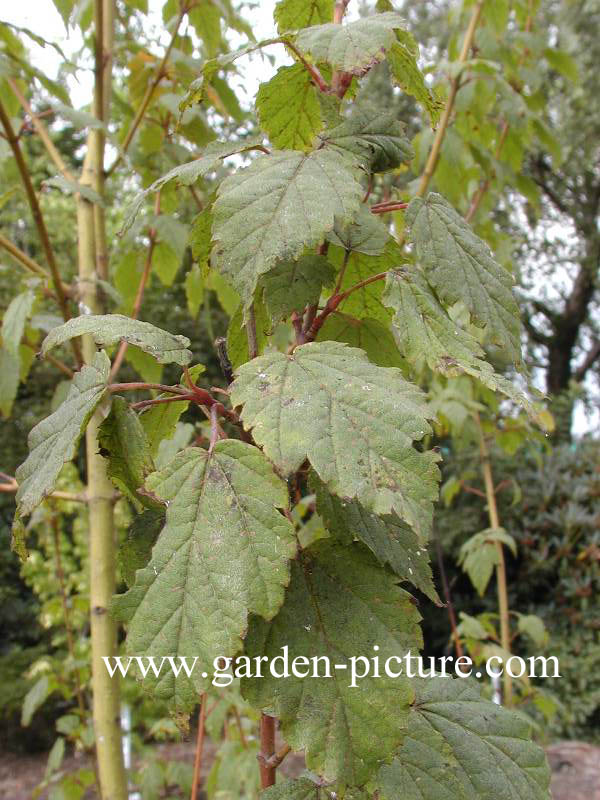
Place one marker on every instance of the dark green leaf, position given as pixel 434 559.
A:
pixel 222 554
pixel 341 604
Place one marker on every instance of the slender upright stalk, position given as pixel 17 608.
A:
pixel 106 703
pixel 432 160
pixel 199 749
pixel 150 90
pixel 503 609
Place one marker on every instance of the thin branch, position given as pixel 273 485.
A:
pixel 314 73
pixel 432 160
pixel 156 401
pixel 152 86
pixel 383 208
pixel 52 359
pixel 447 597
pixel 199 749
pixel 501 584
pixel 23 258
pixel 588 361
pixel 42 133
pixel 134 386
pixel 61 294
pixel 267 750
pixel 10 486
pixel 334 301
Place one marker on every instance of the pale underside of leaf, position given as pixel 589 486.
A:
pixel 459 745
pixel 54 440
pixel 223 553
pixel 278 206
pixel 460 266
pixel 354 421
pixel 353 47
pixel 108 329
pixel 340 604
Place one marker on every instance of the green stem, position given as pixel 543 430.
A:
pixel 106 695
pixel 501 583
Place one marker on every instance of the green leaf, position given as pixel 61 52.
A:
pixel 237 338
pixel 340 603
pixel 206 20
pixel 368 334
pixel 403 61
pixel 563 63
pixel 294 14
pixel 374 135
pixel 288 108
pixel 108 329
pixel 201 236
pixel 187 174
pixel 73 187
pixel 172 232
pixel 166 263
pixel 9 385
pixel 15 317
pixel 292 285
pixel 479 555
pixel 367 234
pixel 160 421
pixel 389 539
pixel 533 626
pixel 459 265
pixel 35 698
pixel 80 119
pixel 54 440
pixel 65 9
pixel 194 289
pixel 425 332
pixel 146 367
pixel 55 756
pixel 123 442
pixel 278 206
pixel 458 745
pixel 136 550
pixel 222 554
pixel 352 47
pixel 354 421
